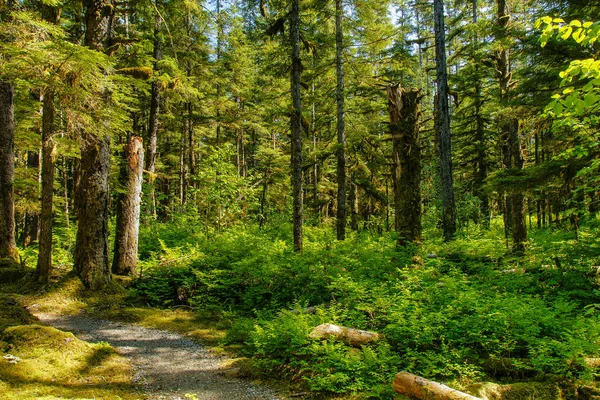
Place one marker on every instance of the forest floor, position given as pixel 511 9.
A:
pixel 67 348
pixel 167 365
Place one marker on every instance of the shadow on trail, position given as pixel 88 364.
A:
pixel 167 365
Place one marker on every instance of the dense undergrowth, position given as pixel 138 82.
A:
pixel 463 312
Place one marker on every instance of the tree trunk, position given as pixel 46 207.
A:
pixel 480 136
pixel 128 208
pixel 91 261
pixel 341 126
pixel 296 125
pixel 31 227
pixel 351 336
pixel 153 122
pixel 8 247
pixel 183 166
pixel 514 217
pixel 404 108
pixel 415 387
pixel 44 262
pixel 191 144
pixel 353 200
pixel 443 125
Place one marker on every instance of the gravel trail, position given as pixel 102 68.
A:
pixel 167 365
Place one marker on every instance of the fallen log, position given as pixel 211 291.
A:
pixel 351 336
pixel 419 388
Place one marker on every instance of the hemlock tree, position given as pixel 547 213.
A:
pixel 44 261
pixel 296 124
pixel 91 259
pixel 443 125
pixel 341 126
pixel 153 119
pixel 8 248
pixel 510 141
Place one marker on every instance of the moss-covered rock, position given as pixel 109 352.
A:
pixel 12 313
pixel 11 271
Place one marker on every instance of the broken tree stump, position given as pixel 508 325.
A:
pixel 351 336
pixel 419 388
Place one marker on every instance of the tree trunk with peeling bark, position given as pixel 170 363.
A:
pixel 125 255
pixel 416 387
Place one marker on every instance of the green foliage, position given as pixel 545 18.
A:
pixel 454 316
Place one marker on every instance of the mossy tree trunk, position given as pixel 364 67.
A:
pixel 8 247
pixel 405 107
pixel 91 259
pixel 128 208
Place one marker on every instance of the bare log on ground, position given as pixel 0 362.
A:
pixel 351 336
pixel 416 387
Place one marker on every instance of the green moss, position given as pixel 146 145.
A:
pixel 517 391
pixel 12 313
pixel 11 272
pixel 56 363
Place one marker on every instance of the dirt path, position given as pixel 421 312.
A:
pixel 167 365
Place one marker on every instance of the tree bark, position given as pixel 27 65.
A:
pixel 353 200
pixel 8 247
pixel 44 262
pixel 296 125
pixel 341 125
pixel 443 125
pixel 404 108
pixel 31 227
pixel 351 336
pixel 153 122
pixel 514 217
pixel 91 262
pixel 419 388
pixel 125 255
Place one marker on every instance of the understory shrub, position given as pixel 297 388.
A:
pixel 447 311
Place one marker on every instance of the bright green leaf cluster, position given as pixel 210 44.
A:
pixel 581 80
pixel 584 33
